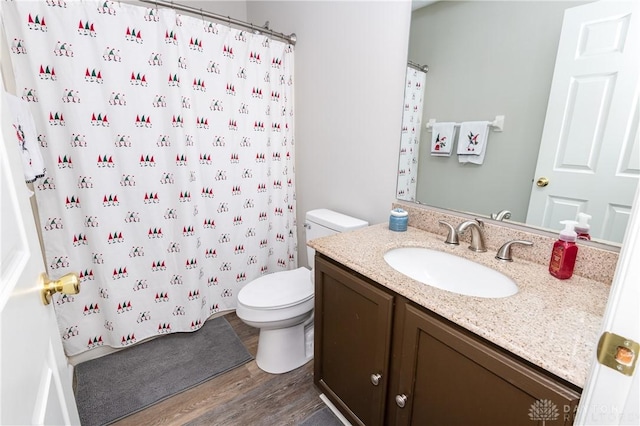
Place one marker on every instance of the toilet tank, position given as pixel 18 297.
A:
pixel 324 222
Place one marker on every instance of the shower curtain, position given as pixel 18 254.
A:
pixel 168 143
pixel 410 134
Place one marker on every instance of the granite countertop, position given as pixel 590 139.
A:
pixel 551 323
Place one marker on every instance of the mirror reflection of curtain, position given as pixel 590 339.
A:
pixel 410 136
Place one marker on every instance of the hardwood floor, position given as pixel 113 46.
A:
pixel 245 396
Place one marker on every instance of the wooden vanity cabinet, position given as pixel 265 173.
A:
pixel 353 321
pixel 440 373
pixel 446 375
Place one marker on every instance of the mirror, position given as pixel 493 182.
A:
pixel 487 59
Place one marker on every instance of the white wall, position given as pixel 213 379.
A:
pixel 350 72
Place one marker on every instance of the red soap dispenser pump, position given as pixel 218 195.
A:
pixel 565 250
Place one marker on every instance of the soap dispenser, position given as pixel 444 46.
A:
pixel 565 250
pixel 582 227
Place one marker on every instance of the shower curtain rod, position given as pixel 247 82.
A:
pixel 291 38
pixel 423 68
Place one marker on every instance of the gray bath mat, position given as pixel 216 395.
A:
pixel 122 383
pixel 322 417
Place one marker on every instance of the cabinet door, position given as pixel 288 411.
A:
pixel 452 377
pixel 352 340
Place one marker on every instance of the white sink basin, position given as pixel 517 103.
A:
pixel 449 272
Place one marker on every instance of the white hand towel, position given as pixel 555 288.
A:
pixel 442 137
pixel 24 129
pixel 472 141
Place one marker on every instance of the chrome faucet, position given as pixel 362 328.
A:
pixel 477 234
pixel 501 215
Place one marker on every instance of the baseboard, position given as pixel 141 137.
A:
pixel 334 410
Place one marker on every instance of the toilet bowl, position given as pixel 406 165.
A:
pixel 281 304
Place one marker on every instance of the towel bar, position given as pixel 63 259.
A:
pixel 497 125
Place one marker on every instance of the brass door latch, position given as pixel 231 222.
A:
pixel 618 353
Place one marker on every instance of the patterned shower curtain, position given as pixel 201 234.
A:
pixel 168 143
pixel 410 135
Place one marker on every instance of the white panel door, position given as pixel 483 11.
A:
pixel 35 379
pixel 590 144
pixel 610 397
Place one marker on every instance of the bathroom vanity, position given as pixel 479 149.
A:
pixel 390 350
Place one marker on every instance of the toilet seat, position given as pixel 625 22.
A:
pixel 278 290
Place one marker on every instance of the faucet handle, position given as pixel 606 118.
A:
pixel 504 252
pixel 452 236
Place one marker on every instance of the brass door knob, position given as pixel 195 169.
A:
pixel 542 182
pixel 68 284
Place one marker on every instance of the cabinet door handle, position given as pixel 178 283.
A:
pixel 375 379
pixel 401 400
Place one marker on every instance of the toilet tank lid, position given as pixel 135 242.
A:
pixel 337 221
pixel 279 289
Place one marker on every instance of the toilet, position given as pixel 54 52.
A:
pixel 281 304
